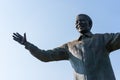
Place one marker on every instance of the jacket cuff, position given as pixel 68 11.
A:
pixel 28 45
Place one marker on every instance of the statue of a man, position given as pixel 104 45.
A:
pixel 88 55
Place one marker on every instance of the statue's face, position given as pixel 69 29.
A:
pixel 82 24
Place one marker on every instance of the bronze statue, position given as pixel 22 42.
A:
pixel 88 55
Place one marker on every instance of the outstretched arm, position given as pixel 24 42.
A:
pixel 60 53
pixel 112 41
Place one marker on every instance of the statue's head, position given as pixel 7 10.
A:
pixel 83 23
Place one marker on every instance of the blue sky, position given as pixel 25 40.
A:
pixel 49 24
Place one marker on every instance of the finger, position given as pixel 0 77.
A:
pixel 25 36
pixel 15 34
pixel 19 35
pixel 16 38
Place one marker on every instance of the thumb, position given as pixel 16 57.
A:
pixel 25 37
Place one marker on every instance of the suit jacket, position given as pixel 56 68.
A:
pixel 88 55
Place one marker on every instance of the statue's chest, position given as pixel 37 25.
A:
pixel 77 49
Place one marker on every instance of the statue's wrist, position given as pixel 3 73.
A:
pixel 25 43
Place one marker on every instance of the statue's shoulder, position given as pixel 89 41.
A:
pixel 72 42
pixel 103 33
pixel 100 34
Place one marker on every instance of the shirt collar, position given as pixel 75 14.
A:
pixel 86 35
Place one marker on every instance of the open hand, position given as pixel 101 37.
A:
pixel 19 38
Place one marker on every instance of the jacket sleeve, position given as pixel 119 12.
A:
pixel 112 41
pixel 59 53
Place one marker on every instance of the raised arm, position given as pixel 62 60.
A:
pixel 60 53
pixel 19 38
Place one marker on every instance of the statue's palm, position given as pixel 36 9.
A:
pixel 19 38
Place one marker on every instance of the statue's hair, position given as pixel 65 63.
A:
pixel 87 17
